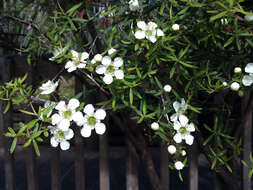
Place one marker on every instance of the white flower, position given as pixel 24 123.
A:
pixel 224 83
pixel 148 31
pixel 110 69
pixel 92 120
pixel 61 137
pixel 237 70
pixel 175 27
pixel 167 88
pixel 235 86
pixel 66 114
pixel 155 126
pixel 58 51
pixel 48 87
pixel 77 61
pixel 179 165
pixel 247 80
pixel 224 21
pixel 248 18
pixel 172 149
pixel 111 51
pixel 183 130
pixel 179 108
pixel 133 5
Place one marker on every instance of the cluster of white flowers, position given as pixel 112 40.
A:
pixel 181 125
pixel 133 5
pixel 148 31
pixel 108 67
pixel 61 122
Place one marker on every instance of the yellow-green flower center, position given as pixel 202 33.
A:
pixel 67 114
pixel 183 130
pixel 60 134
pixel 110 69
pixel 149 32
pixel 92 121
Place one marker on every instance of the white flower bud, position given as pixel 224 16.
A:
pixel 167 88
pixel 237 70
pixel 235 86
pixel 240 93
pixel 183 153
pixel 172 149
pixel 175 27
pixel 179 165
pixel 224 83
pixel 155 126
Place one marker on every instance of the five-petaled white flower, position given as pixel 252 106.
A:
pixel 133 5
pixel 179 108
pixel 110 68
pixel 92 120
pixel 66 114
pixel 48 87
pixel 247 80
pixel 60 137
pixel 148 31
pixel 77 61
pixel 183 130
pixel 179 165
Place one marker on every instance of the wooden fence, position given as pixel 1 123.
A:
pixel 10 67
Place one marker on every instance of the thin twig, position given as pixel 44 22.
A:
pixel 167 117
pixel 95 82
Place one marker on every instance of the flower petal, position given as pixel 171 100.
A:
pixel 249 68
pixel 177 138
pixel 174 117
pixel 119 74
pixel 111 51
pixel 53 142
pixel 73 104
pixel 100 114
pixel 64 125
pixel 69 64
pixel 100 69
pixel 151 38
pixel 189 139
pixel 78 118
pixel 106 60
pixel 84 56
pixel 183 120
pixel 108 79
pixel 56 118
pixel 118 62
pixel 98 57
pixel 176 125
pixel 142 25
pixel 89 109
pixel 152 26
pixel 69 134
pixel 247 80
pixel 74 53
pixel 100 128
pixel 139 34
pixel 176 106
pixel 191 127
pixel 159 32
pixel 64 145
pixel 86 131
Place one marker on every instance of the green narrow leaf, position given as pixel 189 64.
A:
pixel 7 107
pixel 32 123
pixel 75 7
pixel 250 173
pixel 36 148
pixel 218 16
pixel 13 145
pixel 131 97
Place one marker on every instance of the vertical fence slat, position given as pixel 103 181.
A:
pixel 164 169
pixel 193 167
pixel 5 122
pixel 247 141
pixel 104 174
pixel 31 166
pixel 131 167
pixel 79 148
pixel 55 169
